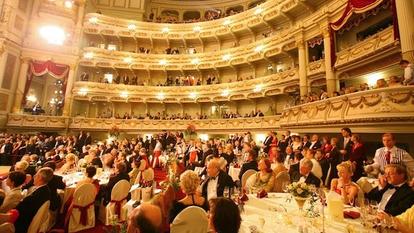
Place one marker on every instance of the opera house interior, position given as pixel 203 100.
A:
pixel 196 116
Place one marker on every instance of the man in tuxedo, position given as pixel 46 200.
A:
pixel 267 142
pixel 393 192
pixel 29 206
pixel 315 143
pixel 305 141
pixel 294 173
pixel 251 163
pixel 345 144
pixel 216 182
pixel 306 175
pixel 5 152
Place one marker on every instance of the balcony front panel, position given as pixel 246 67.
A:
pixel 36 121
pixel 391 105
pixel 269 85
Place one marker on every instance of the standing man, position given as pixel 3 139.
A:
pixel 408 72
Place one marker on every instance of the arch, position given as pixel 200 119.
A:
pixel 234 10
pixel 191 16
pixel 170 16
pixel 212 14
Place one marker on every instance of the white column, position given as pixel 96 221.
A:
pixel 68 94
pixel 303 81
pixel 332 83
pixel 405 14
pixel 18 97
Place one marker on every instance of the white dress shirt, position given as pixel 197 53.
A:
pixel 387 196
pixel 212 188
pixel 408 75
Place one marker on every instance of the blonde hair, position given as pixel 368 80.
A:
pixel 347 166
pixel 189 181
pixel 21 165
pixel 70 157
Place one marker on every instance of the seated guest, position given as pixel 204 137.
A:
pixel 146 218
pixel 305 170
pixel 90 172
pixel 403 223
pixel 251 163
pixel 95 161
pixel 344 185
pixel 189 182
pixel 390 154
pixel 393 193
pixel 14 196
pixel 54 184
pixel 29 206
pixel 69 165
pixel 279 164
pixel 316 169
pixel 217 180
pixel 224 216
pixel 120 173
pixel 145 172
pixel 294 173
pixel 264 179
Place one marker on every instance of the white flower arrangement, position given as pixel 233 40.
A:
pixel 300 189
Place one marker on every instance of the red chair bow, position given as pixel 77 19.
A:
pixel 118 206
pixel 83 212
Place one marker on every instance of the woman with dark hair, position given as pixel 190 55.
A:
pixel 357 157
pixel 326 145
pixel 14 196
pixel 90 172
pixel 224 216
pixel 264 179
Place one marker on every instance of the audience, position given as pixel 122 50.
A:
pixel 14 180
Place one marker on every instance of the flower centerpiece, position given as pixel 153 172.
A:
pixel 114 131
pixel 190 131
pixel 300 192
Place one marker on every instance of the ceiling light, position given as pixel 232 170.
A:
pixel 259 48
pixel 225 93
pixel 258 11
pixel 83 91
pixel 53 34
pixel 193 95
pixel 163 62
pixel 165 30
pixel 197 28
pixel 195 61
pixel 93 20
pixel 258 88
pixel 31 98
pixel 128 60
pixel 68 4
pixel 109 77
pixel 161 96
pixel 226 22
pixel 88 55
pixel 226 57
pixel 132 27
pixel 124 94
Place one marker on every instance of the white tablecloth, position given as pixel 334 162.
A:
pixel 280 216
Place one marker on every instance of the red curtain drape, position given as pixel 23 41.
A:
pixel 39 68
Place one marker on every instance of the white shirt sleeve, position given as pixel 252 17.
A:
pixel 376 163
pixel 408 74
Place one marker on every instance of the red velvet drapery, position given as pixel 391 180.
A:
pixel 39 68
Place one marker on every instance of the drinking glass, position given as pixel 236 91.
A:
pixel 226 192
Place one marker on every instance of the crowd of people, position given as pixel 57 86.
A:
pixel 202 170
pixel 209 15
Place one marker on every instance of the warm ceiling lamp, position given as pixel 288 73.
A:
pixel 165 30
pixel 124 94
pixel 226 22
pixel 31 98
pixel 197 28
pixel 258 88
pixel 83 91
pixel 93 20
pixel 225 93
pixel 128 60
pixel 195 61
pixel 163 62
pixel 88 55
pixel 193 95
pixel 258 11
pixel 68 4
pixel 259 48
pixel 53 34
pixel 226 57
pixel 132 27
pixel 161 96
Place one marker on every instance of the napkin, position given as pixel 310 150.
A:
pixel 14 214
pixel 236 165
pixel 244 197
pixel 351 214
pixel 262 194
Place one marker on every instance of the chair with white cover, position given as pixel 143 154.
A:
pixel 82 211
pixel 192 219
pixel 119 196
pixel 245 176
pixel 281 179
pixel 40 221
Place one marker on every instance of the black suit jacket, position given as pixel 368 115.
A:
pixel 315 146
pixel 306 144
pixel 347 147
pixel 224 180
pixel 399 202
pixel 111 183
pixel 312 179
pixel 54 184
pixel 29 206
pixel 8 149
pixel 267 142
pixel 294 172
pixel 246 166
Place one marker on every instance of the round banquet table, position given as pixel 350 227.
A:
pixel 278 215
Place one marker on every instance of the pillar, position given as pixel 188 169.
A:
pixel 405 14
pixel 332 82
pixel 22 78
pixel 68 94
pixel 303 80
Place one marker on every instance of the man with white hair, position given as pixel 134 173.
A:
pixel 305 170
pixel 217 180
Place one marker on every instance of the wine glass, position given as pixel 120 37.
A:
pixel 226 192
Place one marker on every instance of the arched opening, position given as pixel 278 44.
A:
pixel 191 16
pixel 234 10
pixel 169 16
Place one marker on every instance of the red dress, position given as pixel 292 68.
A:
pixel 272 156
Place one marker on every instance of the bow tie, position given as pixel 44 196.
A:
pixel 394 187
pixel 213 178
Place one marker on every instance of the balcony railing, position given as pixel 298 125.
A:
pixel 379 42
pixel 273 84
pixel 391 105
pixel 316 67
